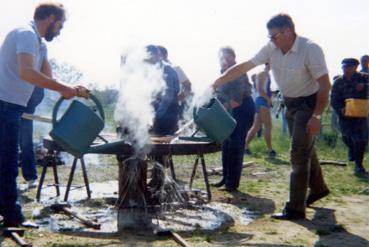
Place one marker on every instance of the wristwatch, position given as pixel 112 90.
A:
pixel 317 116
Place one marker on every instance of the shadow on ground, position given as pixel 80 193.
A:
pixel 330 233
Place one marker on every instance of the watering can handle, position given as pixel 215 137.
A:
pixel 61 99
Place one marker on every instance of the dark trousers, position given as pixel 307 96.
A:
pixel 233 147
pixel 355 136
pixel 306 171
pixel 28 160
pixel 9 140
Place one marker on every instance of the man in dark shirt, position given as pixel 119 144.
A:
pixel 237 96
pixel 364 61
pixel 352 85
pixel 166 106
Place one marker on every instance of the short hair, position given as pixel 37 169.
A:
pixel 228 50
pixel 44 10
pixel 281 21
pixel 152 50
pixel 163 51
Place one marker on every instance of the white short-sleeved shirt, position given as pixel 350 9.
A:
pixel 297 71
pixel 21 40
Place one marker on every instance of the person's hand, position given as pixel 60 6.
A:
pixel 214 86
pixel 82 91
pixel 68 92
pixel 313 126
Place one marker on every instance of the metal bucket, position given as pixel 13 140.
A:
pixel 78 127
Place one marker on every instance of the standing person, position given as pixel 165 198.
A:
pixel 262 116
pixel 301 74
pixel 237 96
pixel 364 62
pixel 352 85
pixel 185 92
pixel 22 67
pixel 166 106
pixel 28 160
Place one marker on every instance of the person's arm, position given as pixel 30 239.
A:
pixel 313 126
pixel 337 101
pixel 233 73
pixel 27 73
pixel 46 69
pixel 262 78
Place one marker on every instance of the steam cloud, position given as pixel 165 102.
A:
pixel 140 84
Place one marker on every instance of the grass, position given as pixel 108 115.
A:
pixel 264 188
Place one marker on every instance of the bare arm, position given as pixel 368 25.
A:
pixel 323 94
pixel 46 69
pixel 233 73
pixel 313 125
pixel 26 72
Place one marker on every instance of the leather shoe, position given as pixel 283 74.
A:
pixel 218 184
pixel 289 214
pixel 313 198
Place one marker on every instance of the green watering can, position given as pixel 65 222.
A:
pixel 78 127
pixel 214 120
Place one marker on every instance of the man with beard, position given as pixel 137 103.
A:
pixel 24 65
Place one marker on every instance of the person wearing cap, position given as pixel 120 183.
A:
pixel 301 73
pixel 352 85
pixel 24 65
pixel 364 62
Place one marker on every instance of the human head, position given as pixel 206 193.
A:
pixel 53 14
pixel 153 55
pixel 227 57
pixel 364 61
pixel 163 53
pixel 281 30
pixel 349 66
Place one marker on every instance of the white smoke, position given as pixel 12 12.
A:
pixel 140 84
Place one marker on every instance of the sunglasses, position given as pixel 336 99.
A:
pixel 274 36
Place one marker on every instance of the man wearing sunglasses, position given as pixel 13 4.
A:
pixel 300 71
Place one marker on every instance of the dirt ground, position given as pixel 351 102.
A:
pixel 333 221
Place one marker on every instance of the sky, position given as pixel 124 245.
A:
pixel 97 31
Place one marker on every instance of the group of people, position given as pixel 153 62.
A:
pixel 299 69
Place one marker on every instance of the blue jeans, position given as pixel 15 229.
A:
pixel 233 147
pixel 28 160
pixel 10 115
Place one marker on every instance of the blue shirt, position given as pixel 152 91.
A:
pixel 20 40
pixel 168 103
